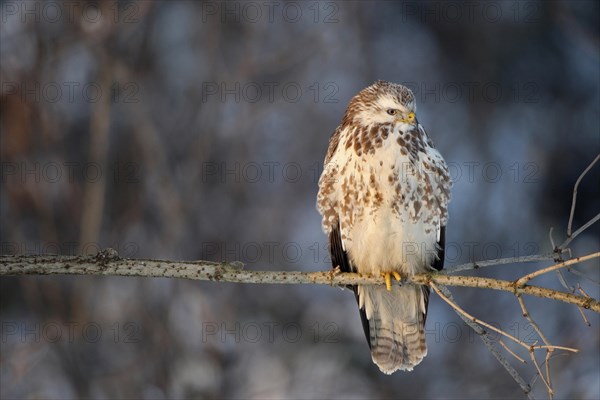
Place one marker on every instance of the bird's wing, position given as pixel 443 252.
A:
pixel 438 264
pixel 339 257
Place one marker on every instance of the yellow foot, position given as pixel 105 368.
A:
pixel 388 278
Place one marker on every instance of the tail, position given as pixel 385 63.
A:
pixel 396 321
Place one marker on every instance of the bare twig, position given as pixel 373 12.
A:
pixel 476 320
pixel 583 292
pixel 549 350
pixel 584 276
pixel 489 343
pixel 535 326
pixel 511 352
pixel 499 261
pixel 522 281
pixel 585 320
pixel 551 238
pixel 563 281
pixel 493 328
pixel 531 349
pixel 578 231
pixel 574 202
pixel 541 375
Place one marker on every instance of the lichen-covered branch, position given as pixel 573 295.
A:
pixel 108 263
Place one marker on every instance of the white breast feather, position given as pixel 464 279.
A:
pixel 384 240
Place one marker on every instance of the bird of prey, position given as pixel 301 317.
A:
pixel 383 196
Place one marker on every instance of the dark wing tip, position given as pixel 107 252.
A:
pixel 439 261
pixel 339 257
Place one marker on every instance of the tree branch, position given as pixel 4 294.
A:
pixel 522 281
pixel 489 343
pixel 108 263
pixel 574 201
pixel 502 261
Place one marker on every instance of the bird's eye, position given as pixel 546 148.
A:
pixel 392 111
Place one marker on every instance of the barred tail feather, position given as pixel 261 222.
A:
pixel 396 325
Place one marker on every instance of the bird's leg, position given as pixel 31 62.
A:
pixel 388 278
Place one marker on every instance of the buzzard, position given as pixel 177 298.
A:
pixel 383 196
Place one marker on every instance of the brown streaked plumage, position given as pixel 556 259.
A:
pixel 383 195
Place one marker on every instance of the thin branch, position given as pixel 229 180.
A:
pixel 541 375
pixel 578 231
pixel 489 343
pixel 584 292
pixel 474 319
pixel 563 281
pixel 107 263
pixel 549 350
pixel 531 349
pixel 522 281
pixel 585 320
pixel 500 331
pixel 515 355
pixel 537 374
pixel 527 316
pixel 584 276
pixel 574 202
pixel 551 237
pixel 499 261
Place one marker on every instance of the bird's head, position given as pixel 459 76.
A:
pixel 384 103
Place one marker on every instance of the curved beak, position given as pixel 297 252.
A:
pixel 411 118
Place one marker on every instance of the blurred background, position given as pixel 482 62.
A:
pixel 197 130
